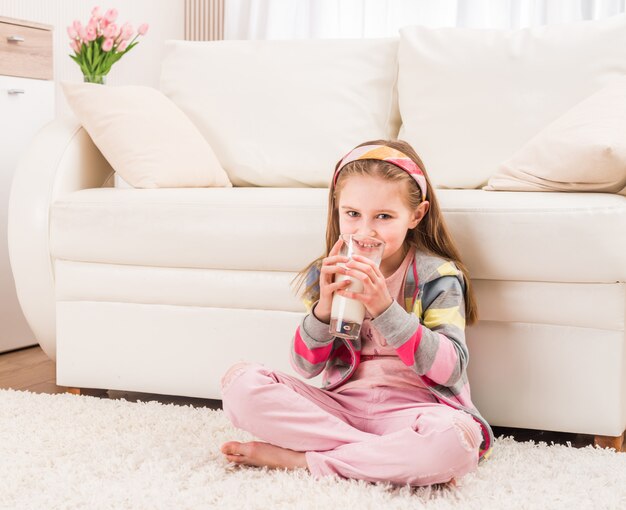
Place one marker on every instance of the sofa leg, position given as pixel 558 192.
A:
pixel 91 392
pixel 610 442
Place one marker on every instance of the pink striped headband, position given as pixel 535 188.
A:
pixel 388 154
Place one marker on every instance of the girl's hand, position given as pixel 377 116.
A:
pixel 328 286
pixel 375 295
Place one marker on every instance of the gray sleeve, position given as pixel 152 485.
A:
pixel 396 324
pixel 315 331
pixel 439 338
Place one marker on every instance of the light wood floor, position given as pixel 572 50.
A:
pixel 31 370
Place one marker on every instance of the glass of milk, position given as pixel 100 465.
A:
pixel 347 314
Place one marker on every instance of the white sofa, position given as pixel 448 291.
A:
pixel 161 290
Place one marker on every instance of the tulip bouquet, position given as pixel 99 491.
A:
pixel 101 43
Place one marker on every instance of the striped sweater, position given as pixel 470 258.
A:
pixel 427 331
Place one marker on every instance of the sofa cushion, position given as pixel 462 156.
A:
pixel 145 137
pixel 282 113
pixel 539 236
pixel 273 229
pixel 583 150
pixel 533 236
pixel 470 98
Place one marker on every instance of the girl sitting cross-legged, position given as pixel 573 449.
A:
pixel 395 403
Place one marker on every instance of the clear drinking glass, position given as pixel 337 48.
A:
pixel 347 314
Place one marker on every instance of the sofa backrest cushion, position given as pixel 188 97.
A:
pixel 469 99
pixel 282 113
pixel 582 150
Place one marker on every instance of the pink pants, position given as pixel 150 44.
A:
pixel 379 434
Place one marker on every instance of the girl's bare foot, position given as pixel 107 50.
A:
pixel 256 453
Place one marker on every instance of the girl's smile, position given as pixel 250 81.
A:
pixel 366 245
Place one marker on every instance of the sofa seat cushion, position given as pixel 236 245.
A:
pixel 539 236
pixel 272 229
pixel 533 236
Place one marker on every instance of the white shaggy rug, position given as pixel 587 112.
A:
pixel 68 451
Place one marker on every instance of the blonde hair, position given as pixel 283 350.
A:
pixel 431 234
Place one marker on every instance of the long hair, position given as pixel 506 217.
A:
pixel 431 235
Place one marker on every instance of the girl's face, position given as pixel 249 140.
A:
pixel 375 207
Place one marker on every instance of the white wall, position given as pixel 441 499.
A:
pixel 141 66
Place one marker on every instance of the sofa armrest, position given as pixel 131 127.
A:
pixel 60 159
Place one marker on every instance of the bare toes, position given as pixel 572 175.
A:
pixel 231 448
pixel 237 459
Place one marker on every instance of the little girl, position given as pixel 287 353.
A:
pixel 395 404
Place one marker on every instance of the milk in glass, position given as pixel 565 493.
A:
pixel 347 314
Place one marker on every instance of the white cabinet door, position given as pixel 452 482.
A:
pixel 26 105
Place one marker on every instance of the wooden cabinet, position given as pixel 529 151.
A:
pixel 26 105
pixel 25 49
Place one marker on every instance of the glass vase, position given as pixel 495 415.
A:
pixel 101 79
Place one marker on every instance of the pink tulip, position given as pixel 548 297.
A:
pixel 111 31
pixel 107 45
pixel 127 31
pixel 91 33
pixel 111 15
pixel 96 12
pixel 102 27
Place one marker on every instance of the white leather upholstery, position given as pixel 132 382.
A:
pixel 274 229
pixel 580 305
pixel 282 113
pixel 502 235
pixel 171 350
pixel 470 98
pixel 61 158
pixel 178 286
pixel 537 236
pixel 549 377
